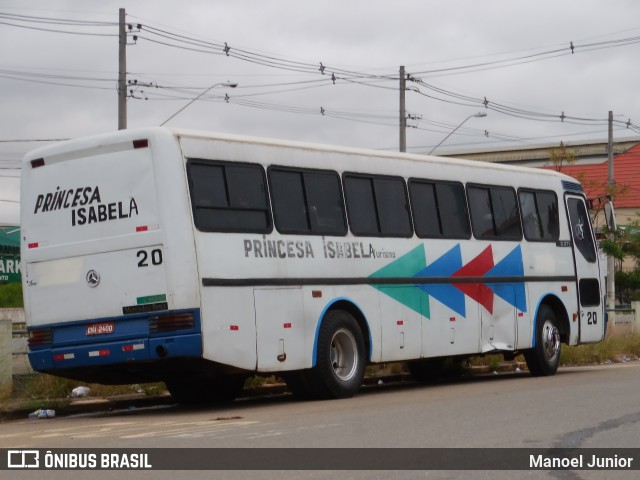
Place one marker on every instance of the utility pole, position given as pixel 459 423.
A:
pixel 611 271
pixel 403 113
pixel 122 72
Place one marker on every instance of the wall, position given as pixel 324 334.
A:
pixel 5 353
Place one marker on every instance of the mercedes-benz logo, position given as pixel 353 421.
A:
pixel 93 278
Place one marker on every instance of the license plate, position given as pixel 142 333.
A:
pixel 100 328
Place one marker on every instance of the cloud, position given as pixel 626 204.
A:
pixel 372 37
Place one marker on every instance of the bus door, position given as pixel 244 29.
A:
pixel 585 256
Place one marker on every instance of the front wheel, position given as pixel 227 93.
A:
pixel 543 359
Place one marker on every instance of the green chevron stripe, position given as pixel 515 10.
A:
pixel 406 266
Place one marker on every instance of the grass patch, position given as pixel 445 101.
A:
pixel 384 369
pixel 5 395
pixel 613 348
pixel 43 390
pixel 11 295
pixel 492 361
pixel 257 381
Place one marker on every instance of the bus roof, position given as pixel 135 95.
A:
pixel 96 141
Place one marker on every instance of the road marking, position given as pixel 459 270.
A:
pixel 131 430
pixel 194 428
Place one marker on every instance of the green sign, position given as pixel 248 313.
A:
pixel 10 268
pixel 9 254
pixel 151 299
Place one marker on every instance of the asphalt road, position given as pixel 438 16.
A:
pixel 589 407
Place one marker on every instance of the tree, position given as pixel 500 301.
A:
pixel 621 244
pixel 562 156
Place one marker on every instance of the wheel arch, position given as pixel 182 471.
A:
pixel 562 316
pixel 352 308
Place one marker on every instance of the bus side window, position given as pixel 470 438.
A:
pixel 228 197
pixel 377 206
pixel 439 209
pixel 494 213
pixel 539 215
pixel 307 201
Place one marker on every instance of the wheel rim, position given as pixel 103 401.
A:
pixel 344 355
pixel 550 341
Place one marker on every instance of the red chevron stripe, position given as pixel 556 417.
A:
pixel 478 267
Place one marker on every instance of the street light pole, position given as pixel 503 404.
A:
pixel 611 267
pixel 122 71
pixel 224 84
pixel 477 115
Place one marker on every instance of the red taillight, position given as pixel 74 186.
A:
pixel 166 323
pixel 100 353
pixel 61 357
pixel 43 336
pixel 133 347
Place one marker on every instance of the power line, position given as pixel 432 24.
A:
pixel 567 49
pixel 466 100
pixel 329 74
pixel 23 21
pixel 219 48
pixel 57 21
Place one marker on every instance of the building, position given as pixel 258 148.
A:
pixel 589 164
pixel 586 152
pixel 590 167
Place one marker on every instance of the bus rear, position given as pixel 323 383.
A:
pixel 108 296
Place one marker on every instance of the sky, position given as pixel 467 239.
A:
pixel 323 71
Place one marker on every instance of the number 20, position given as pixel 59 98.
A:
pixel 143 256
pixel 592 318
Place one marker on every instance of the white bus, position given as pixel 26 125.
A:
pixel 198 259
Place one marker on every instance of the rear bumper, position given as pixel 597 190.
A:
pixel 130 345
pixel 110 353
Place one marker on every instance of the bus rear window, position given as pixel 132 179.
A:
pixel 228 197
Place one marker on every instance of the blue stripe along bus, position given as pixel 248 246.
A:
pixel 198 259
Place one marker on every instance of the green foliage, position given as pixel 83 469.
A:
pixel 622 244
pixel 562 156
pixel 11 295
pixel 628 284
pixel 614 248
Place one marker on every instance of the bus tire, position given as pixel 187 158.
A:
pixel 340 362
pixel 543 359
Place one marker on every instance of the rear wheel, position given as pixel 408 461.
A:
pixel 340 362
pixel 543 359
